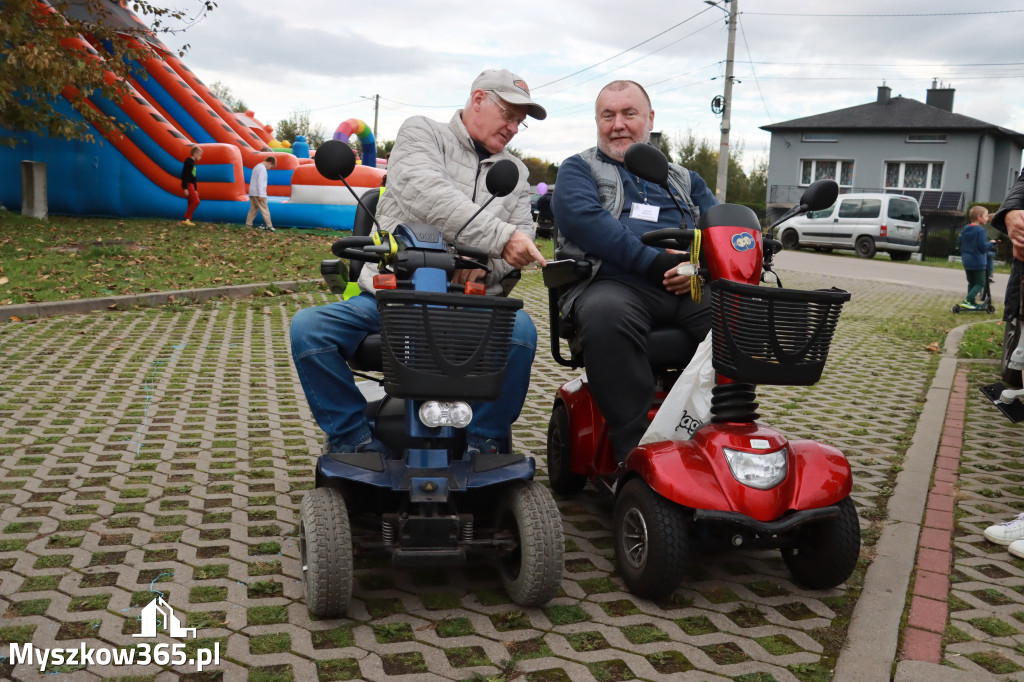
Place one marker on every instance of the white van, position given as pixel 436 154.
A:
pixel 865 223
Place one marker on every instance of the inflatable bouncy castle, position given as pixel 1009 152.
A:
pixel 167 112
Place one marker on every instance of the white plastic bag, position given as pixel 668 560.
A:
pixel 687 406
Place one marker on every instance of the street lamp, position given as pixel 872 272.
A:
pixel 726 104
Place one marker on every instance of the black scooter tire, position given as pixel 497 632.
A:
pixel 563 480
pixel 325 544
pixel 827 551
pixel 652 540
pixel 532 572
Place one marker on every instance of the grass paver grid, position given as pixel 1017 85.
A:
pixel 985 633
pixel 167 450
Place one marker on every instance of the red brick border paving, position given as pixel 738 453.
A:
pixel 929 607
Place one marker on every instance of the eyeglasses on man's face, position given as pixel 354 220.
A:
pixel 509 117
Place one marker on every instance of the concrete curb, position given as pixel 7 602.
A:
pixel 87 305
pixel 873 635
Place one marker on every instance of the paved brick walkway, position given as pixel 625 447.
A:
pixel 165 452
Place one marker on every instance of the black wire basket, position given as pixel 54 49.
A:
pixel 766 335
pixel 444 346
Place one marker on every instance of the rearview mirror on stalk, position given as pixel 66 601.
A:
pixel 334 160
pixel 647 163
pixel 820 195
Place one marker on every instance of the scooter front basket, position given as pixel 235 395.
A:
pixel 765 335
pixel 444 346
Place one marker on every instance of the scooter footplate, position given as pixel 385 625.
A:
pixel 781 526
pixel 1014 411
pixel 418 558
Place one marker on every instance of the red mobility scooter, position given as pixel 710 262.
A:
pixel 734 481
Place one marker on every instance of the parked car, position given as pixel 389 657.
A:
pixel 866 223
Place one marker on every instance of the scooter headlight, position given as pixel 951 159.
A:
pixel 435 414
pixel 761 470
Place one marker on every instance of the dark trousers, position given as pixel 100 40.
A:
pixel 976 280
pixel 1011 301
pixel 615 319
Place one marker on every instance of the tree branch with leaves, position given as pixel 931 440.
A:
pixel 64 51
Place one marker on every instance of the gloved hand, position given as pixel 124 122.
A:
pixel 662 263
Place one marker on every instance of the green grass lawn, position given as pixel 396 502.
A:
pixel 66 258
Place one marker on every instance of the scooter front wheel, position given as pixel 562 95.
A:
pixel 325 545
pixel 827 551
pixel 531 573
pixel 652 537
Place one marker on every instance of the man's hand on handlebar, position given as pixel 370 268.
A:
pixel 520 251
pixel 673 281
pixel 463 275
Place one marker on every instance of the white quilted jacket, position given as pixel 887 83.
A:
pixel 436 177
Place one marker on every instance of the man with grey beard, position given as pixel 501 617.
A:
pixel 601 210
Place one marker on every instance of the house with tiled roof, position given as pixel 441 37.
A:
pixel 896 144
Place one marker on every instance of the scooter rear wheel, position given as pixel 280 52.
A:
pixel 325 544
pixel 532 572
pixel 827 550
pixel 563 480
pixel 651 540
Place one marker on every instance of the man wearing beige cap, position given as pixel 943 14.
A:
pixel 436 175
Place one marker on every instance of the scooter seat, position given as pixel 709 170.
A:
pixel 367 357
pixel 670 348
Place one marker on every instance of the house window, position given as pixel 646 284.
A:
pixel 817 169
pixel 913 175
pixel 926 137
pixel 819 137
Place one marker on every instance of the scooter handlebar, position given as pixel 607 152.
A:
pixel 668 238
pixel 356 247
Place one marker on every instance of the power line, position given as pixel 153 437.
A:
pixel 422 106
pixel 919 14
pixel 888 78
pixel 743 33
pixel 862 64
pixel 640 58
pixel 643 42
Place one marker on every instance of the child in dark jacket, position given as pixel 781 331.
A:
pixel 974 249
pixel 189 183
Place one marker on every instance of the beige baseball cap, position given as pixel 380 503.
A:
pixel 510 88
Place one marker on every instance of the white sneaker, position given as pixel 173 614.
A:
pixel 1007 533
pixel 1017 548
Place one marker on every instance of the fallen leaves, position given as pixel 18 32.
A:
pixel 934 347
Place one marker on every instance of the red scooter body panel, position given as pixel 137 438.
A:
pixel 695 473
pixel 732 252
pixel 591 451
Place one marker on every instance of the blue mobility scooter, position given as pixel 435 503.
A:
pixel 431 502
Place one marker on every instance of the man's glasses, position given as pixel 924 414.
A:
pixel 508 115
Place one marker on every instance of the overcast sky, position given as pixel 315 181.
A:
pixel 793 59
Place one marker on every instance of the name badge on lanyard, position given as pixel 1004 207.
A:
pixel 644 212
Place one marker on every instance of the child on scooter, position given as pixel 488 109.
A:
pixel 974 249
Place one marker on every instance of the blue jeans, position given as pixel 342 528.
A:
pixel 323 338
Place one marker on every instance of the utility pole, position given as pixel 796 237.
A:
pixel 376 111
pixel 723 150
